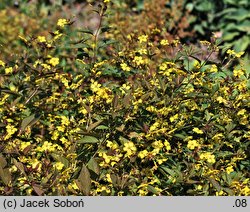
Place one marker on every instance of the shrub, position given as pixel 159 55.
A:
pixel 145 118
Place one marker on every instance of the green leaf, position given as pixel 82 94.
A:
pixel 123 140
pixel 84 181
pixel 227 35
pixel 3 162
pixel 243 43
pixel 205 6
pixel 215 184
pixel 199 29
pixel 190 6
pixel 88 140
pixel 229 191
pixel 115 101
pixel 86 31
pixel 239 15
pixel 93 166
pixel 169 171
pixel 38 190
pixel 152 189
pixel 30 120
pixel 229 127
pixel 215 88
pixel 20 166
pixel 179 136
pixel 94 125
pixel 220 127
pixel 102 127
pixel 127 100
pixel 244 26
pixel 61 159
pixel 5 175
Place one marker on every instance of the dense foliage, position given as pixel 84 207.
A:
pixel 108 110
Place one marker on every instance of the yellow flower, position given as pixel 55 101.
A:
pixel 245 191
pixel 143 38
pixel 229 169
pixel 238 73
pixel 241 112
pixel 143 154
pixel 45 66
pixel 95 86
pixel 161 161
pixel 13 88
pixel 221 100
pixel 173 118
pixel 218 137
pixel 197 130
pixel 54 61
pixel 142 51
pixel 164 42
pixel 106 1
pixel 157 144
pixel 62 22
pixel 58 165
pixel 167 145
pixel 73 186
pixel 209 157
pixel 2 63
pixel 8 70
pixel 192 144
pixel 35 163
pixel 24 145
pixel 199 187
pixel 60 128
pixel 41 39
pixel 55 135
pixel 138 60
pixel 112 145
pixel 234 54
pixel 108 178
pixel 125 67
pixel 130 148
pixel 213 69
pixel 220 193
pixel 10 131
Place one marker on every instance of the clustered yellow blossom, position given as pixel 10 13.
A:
pixel 48 147
pixel 2 63
pixel 41 39
pixel 58 165
pixel 8 70
pixel 142 154
pixel 239 73
pixel 10 131
pixel 192 144
pixel 209 157
pixel 197 130
pixel 143 38
pixel 125 67
pixel 164 42
pixel 229 169
pixel 62 22
pixel 138 60
pixel 54 61
pixel 129 148
pixel 234 54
